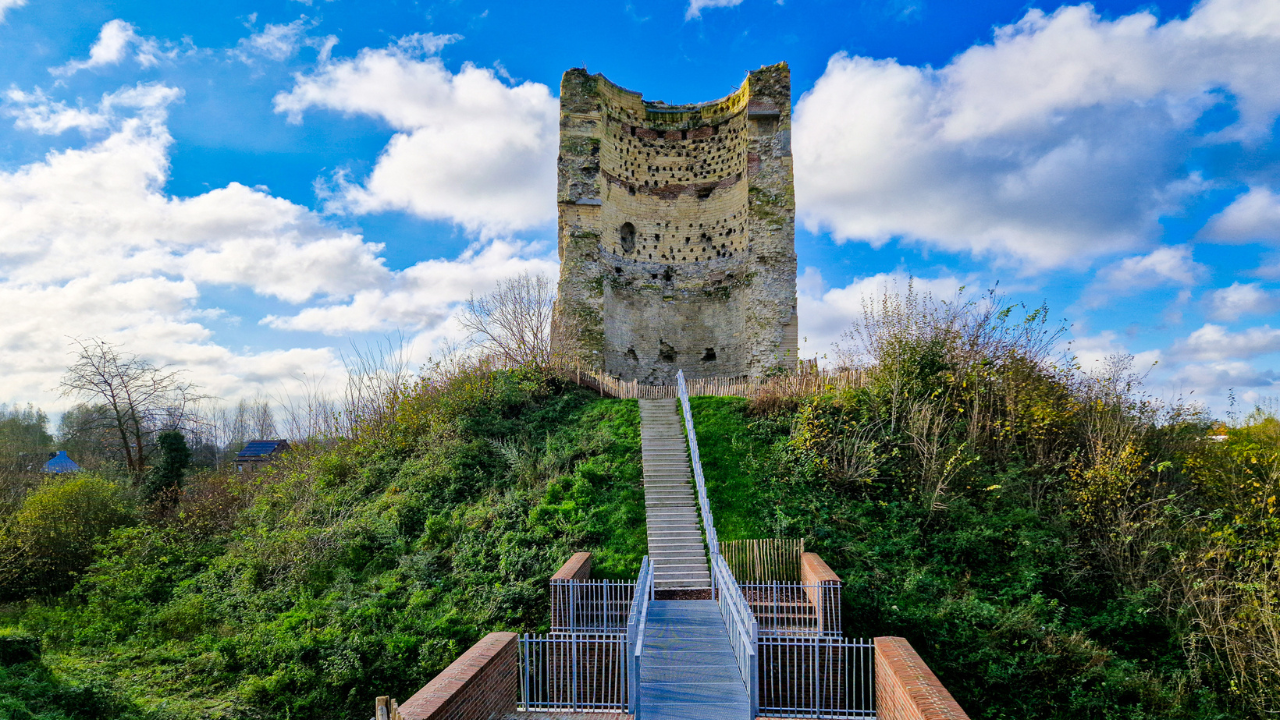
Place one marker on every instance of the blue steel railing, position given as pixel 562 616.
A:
pixel 637 620
pixel 738 618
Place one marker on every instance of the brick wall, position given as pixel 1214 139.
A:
pixel 482 684
pixel 577 568
pixel 906 689
pixel 822 586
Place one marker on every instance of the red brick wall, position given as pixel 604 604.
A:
pixel 577 568
pixel 906 689
pixel 481 684
pixel 815 572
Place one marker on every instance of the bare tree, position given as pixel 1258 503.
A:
pixel 137 398
pixel 379 376
pixel 513 324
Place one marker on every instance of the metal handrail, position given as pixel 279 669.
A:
pixel 637 621
pixel 695 459
pixel 739 621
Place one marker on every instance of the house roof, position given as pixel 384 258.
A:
pixel 60 463
pixel 262 449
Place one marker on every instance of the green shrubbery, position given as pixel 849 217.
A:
pixel 1053 543
pixel 51 537
pixel 358 568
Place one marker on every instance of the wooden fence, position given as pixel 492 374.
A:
pixel 762 561
pixel 807 383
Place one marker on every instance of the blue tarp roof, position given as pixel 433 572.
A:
pixel 262 448
pixel 60 463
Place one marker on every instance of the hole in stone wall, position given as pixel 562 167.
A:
pixel 631 355
pixel 709 355
pixel 667 274
pixel 666 353
pixel 628 233
pixel 705 193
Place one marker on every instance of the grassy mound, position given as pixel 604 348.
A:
pixel 355 569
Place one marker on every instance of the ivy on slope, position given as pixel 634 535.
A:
pixel 363 568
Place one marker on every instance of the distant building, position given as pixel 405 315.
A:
pixel 257 453
pixel 60 463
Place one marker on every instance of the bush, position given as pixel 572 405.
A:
pixel 51 538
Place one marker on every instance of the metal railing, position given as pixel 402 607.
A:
pixel 740 624
pixel 590 605
pixel 589 660
pixel 573 672
pixel 637 620
pixel 738 620
pixel 788 608
pixel 704 505
pixel 816 676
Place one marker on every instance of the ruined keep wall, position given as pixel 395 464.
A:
pixel 677 229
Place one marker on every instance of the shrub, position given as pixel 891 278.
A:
pixel 51 537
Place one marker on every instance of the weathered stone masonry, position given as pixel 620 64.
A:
pixel 677 229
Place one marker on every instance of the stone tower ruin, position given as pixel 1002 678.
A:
pixel 677 230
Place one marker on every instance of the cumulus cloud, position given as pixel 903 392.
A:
pixel 469 149
pixel 6 5
pixel 1093 352
pixel 1164 266
pixel 1229 303
pixel 1217 343
pixel 826 314
pixel 92 245
pixel 697 6
pixel 283 41
pixel 424 295
pixel 1252 217
pixel 115 42
pixel 1061 141
pixel 1215 377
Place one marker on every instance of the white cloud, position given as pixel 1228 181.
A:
pixel 697 6
pixel 422 296
pixel 1252 217
pixel 281 42
pixel 1213 378
pixel 1092 352
pixel 1217 343
pixel 113 45
pixel 91 245
pixel 1164 266
pixel 6 5
pixel 827 314
pixel 1061 141
pixel 469 148
pixel 1229 303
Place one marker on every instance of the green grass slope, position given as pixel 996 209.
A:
pixel 354 570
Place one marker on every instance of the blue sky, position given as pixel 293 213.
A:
pixel 245 189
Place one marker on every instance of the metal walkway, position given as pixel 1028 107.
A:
pixel 687 667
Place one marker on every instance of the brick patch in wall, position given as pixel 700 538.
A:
pixel 906 689
pixel 480 685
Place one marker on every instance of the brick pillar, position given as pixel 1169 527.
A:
pixel 578 567
pixel 822 586
pixel 484 683
pixel 906 689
